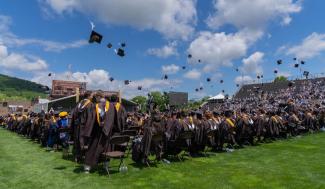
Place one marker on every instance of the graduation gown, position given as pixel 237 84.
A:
pixel 100 136
pixel 120 117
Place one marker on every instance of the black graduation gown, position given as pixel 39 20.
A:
pixel 121 118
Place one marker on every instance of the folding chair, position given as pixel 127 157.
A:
pixel 115 154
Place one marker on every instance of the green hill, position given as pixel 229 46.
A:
pixel 12 88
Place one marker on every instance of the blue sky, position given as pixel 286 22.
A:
pixel 50 36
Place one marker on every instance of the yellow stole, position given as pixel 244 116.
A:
pixel 97 111
pixel 191 119
pixel 53 119
pixel 117 106
pixel 274 119
pixel 229 121
pixel 86 103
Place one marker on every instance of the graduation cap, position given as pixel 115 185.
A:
pixel 279 62
pixel 166 77
pixel 302 62
pixel 120 52
pixel 294 59
pixel 123 45
pixel 237 85
pixel 290 84
pixel 197 90
pixel 183 67
pixel 201 88
pixel 139 88
pixel 306 73
pixel 262 76
pixel 111 79
pixel 223 91
pixel 275 71
pixel 109 45
pixel 237 69
pixel 221 81
pixel 95 37
pixel 189 56
pixel 50 74
pixel 199 60
pixel 296 65
pixel 208 79
pixel 258 77
pixel 126 82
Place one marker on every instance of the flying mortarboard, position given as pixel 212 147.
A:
pixel 302 62
pixel 294 59
pixel 189 56
pixel 166 77
pixel 296 65
pixel 123 45
pixel 199 60
pixel 120 52
pixel 279 62
pixel 126 82
pixel 258 77
pixel 109 45
pixel 50 74
pixel 208 79
pixel 111 79
pixel 139 88
pixel 197 90
pixel 201 88
pixel 95 37
pixel 221 81
pixel 275 71
pixel 183 67
pixel 237 85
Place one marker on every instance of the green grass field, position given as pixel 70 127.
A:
pixel 293 163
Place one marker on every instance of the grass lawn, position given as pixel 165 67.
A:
pixel 294 163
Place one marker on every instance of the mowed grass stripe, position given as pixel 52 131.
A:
pixel 293 163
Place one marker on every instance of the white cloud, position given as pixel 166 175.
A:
pixel 193 74
pixel 170 69
pixel 15 61
pixel 243 79
pixel 172 18
pixel 99 79
pixel 12 40
pixel 165 51
pixel 253 14
pixel 217 49
pixel 284 73
pixel 252 64
pixel 310 47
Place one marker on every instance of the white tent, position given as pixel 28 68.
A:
pixel 220 96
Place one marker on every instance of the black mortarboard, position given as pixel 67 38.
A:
pixel 165 76
pixel 199 60
pixel 50 74
pixel 279 62
pixel 237 85
pixel 201 88
pixel 262 76
pixel 296 65
pixel 223 91
pixel 290 84
pixel 139 88
pixel 196 89
pixel 302 62
pixel 123 45
pixel 189 56
pixel 221 81
pixel 109 45
pixel 275 71
pixel 111 79
pixel 294 59
pixel 120 52
pixel 306 73
pixel 183 67
pixel 258 77
pixel 95 37
pixel 237 69
pixel 208 79
pixel 126 82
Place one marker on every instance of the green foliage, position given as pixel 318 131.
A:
pixel 18 89
pixel 280 79
pixel 142 101
pixel 195 104
pixel 294 163
pixel 161 99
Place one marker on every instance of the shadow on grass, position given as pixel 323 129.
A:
pixel 60 168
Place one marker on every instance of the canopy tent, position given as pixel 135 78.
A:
pixel 220 96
